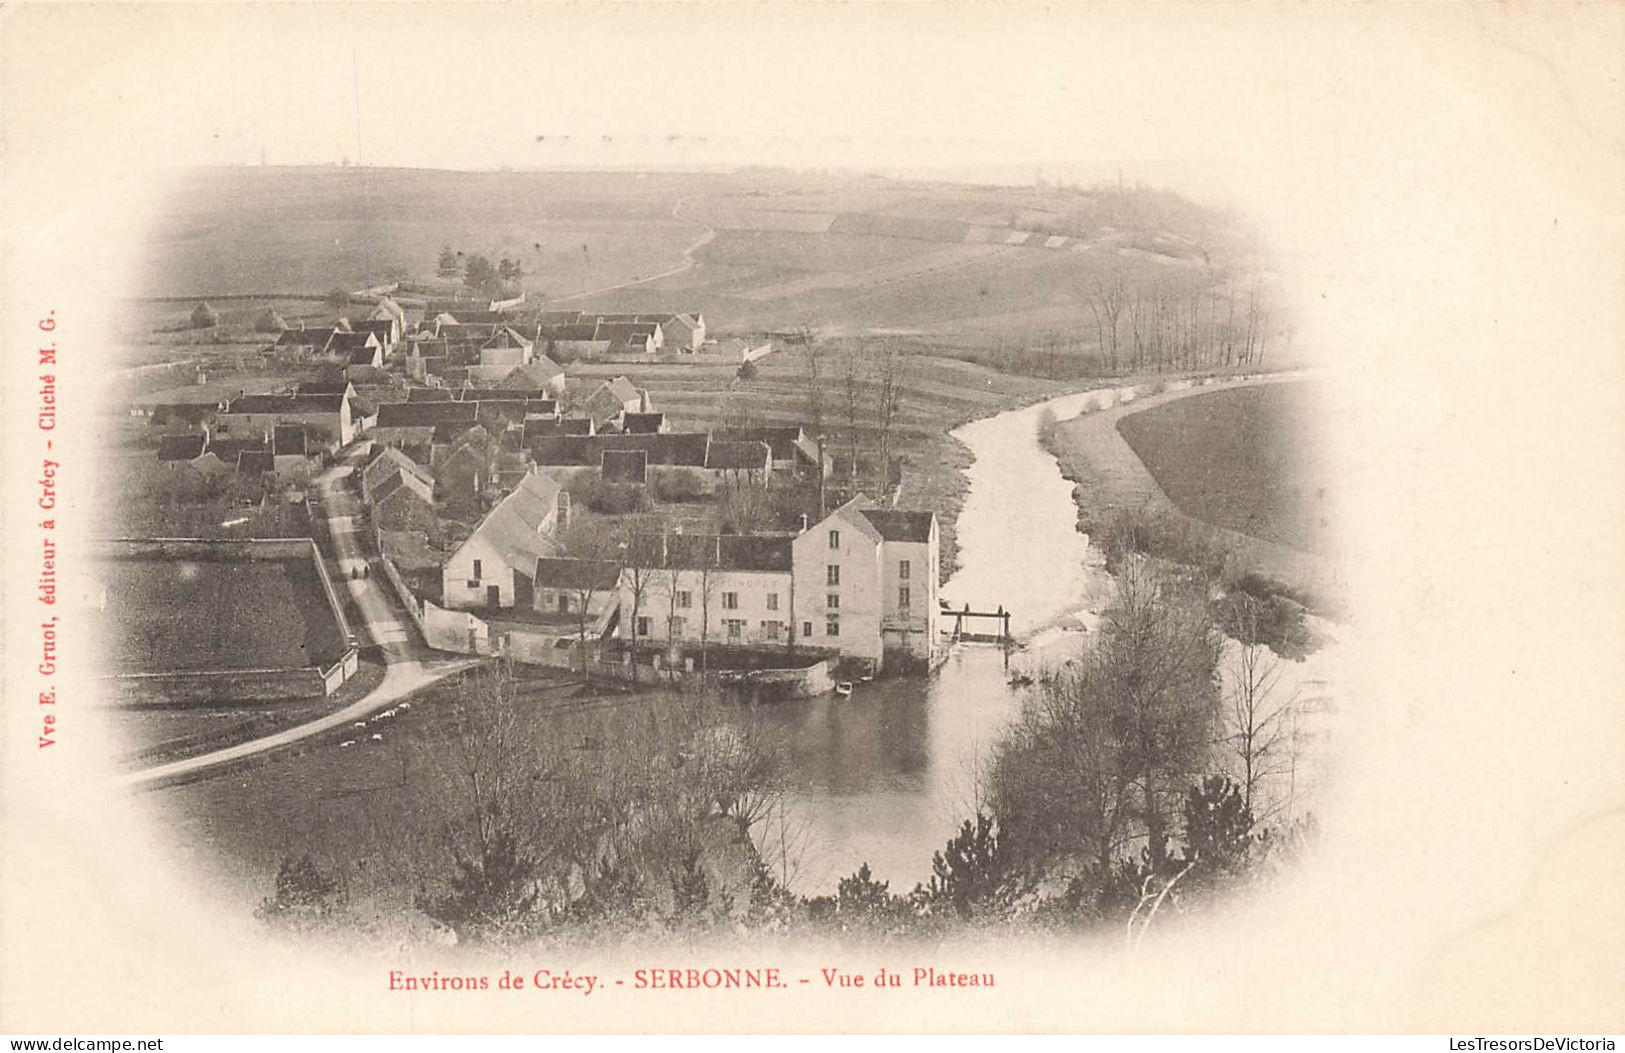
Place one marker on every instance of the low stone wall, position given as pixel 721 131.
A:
pixel 215 687
pixel 765 685
pixel 409 601
pixel 456 631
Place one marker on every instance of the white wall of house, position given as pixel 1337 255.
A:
pixel 467 577
pixel 505 356
pixel 911 627
pixel 858 606
pixel 743 607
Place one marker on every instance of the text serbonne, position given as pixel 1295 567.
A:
pixel 680 979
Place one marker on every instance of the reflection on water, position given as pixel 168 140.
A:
pixel 887 776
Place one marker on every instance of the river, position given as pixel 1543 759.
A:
pixel 887 776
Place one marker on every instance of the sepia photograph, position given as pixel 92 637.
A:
pixel 800 518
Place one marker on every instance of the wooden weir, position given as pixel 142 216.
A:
pixel 1001 616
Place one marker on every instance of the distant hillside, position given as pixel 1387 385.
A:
pixel 951 264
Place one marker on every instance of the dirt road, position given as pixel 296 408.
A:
pixel 1110 475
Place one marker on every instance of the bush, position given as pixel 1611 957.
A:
pixel 1172 538
pixel 302 892
pixel 747 371
pixel 683 485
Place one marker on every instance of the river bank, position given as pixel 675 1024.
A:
pixel 1109 478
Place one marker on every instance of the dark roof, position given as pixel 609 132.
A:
pixel 642 423
pixel 718 551
pixel 618 390
pixel 316 335
pixel 624 466
pixel 515 409
pixel 897 525
pixel 382 327
pixel 533 374
pixel 428 395
pixel 389 460
pixel 322 387
pixel 506 336
pixel 181 447
pixel 288 441
pixel 465 316
pixel 424 414
pixel 348 343
pixel 585 331
pixel 627 333
pixel 671 450
pixel 183 412
pixel 285 404
pixel 452 431
pixel 256 461
pixel 737 455
pixel 785 442
pixel 228 450
pixel 542 427
pixel 557 573
pixel 395 481
pixel 462 331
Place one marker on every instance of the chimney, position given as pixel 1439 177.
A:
pixel 803 522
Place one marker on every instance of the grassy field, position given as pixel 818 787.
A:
pixel 1249 460
pixel 771 249
pixel 183 615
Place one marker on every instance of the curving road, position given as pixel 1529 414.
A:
pixel 409 666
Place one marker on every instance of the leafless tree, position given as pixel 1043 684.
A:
pixel 586 540
pixel 640 559
pixel 888 368
pixel 1107 296
pixel 813 377
pixel 853 377
pixel 1258 713
pixel 709 580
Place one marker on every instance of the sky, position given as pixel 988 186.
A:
pixel 1209 96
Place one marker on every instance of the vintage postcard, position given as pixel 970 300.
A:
pixel 778 517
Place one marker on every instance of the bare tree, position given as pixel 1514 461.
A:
pixel 1258 713
pixel 669 576
pixel 710 564
pixel 639 563
pixel 586 540
pixel 1107 297
pixel 852 379
pixel 889 401
pixel 812 377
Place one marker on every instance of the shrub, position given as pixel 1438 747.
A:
pixel 682 485
pixel 747 371
pixel 302 892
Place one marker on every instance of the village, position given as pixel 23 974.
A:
pixel 517 511
pixel 733 593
